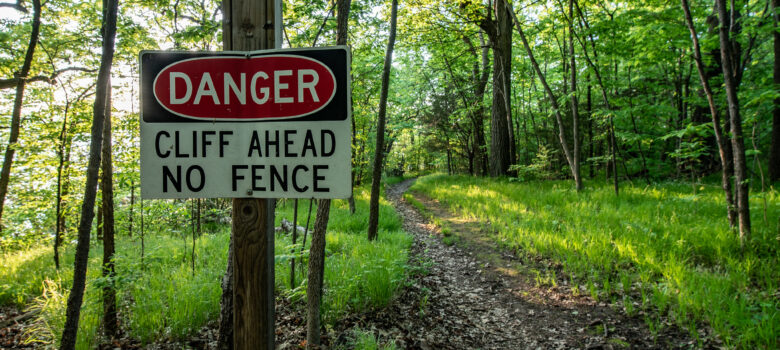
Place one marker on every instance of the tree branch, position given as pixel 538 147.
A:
pixel 18 6
pixel 11 83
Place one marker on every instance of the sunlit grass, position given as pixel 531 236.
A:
pixel 670 242
pixel 164 298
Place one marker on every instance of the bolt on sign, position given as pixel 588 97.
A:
pixel 263 124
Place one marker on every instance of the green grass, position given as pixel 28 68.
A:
pixel 365 340
pixel 164 299
pixel 665 244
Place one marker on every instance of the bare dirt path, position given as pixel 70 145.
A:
pixel 470 295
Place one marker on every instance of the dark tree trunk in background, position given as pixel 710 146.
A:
pixel 774 149
pixel 88 207
pixel 16 114
pixel 225 336
pixel 316 274
pixel 376 177
pixel 728 63
pixel 499 31
pixel 723 150
pixel 109 293
pixel 574 104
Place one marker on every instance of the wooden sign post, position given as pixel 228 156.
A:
pixel 252 25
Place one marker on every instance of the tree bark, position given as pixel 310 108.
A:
pixel 225 336
pixel 723 150
pixel 316 274
pixel 574 105
pixel 76 296
pixel 501 40
pixel 109 292
pixel 774 149
pixel 376 177
pixel 735 121
pixel 16 114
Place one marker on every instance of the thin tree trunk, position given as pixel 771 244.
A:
pixel 373 217
pixel 735 121
pixel 294 239
pixel 76 296
pixel 550 95
pixel 723 150
pixel 16 114
pixel 316 275
pixel 110 319
pixel 342 25
pixel 132 205
pixel 574 105
pixel 225 336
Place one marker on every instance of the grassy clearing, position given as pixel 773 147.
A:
pixel 668 245
pixel 163 298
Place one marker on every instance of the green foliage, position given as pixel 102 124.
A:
pixel 665 242
pixel 161 297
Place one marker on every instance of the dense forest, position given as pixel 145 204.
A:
pixel 622 153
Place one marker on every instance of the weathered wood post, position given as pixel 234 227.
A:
pixel 252 25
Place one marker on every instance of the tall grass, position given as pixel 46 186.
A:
pixel 669 241
pixel 163 298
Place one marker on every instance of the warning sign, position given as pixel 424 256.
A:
pixel 264 124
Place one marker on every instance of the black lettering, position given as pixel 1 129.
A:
pixel 204 141
pixel 194 143
pixel 257 177
pixel 282 178
pixel 332 143
pixel 202 178
pixel 157 144
pixel 223 142
pixel 255 145
pixel 308 143
pixel 175 181
pixel 176 141
pixel 237 177
pixel 288 142
pixel 295 178
pixel 317 178
pixel 268 143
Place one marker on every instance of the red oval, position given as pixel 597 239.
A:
pixel 238 88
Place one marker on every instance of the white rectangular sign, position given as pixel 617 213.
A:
pixel 263 124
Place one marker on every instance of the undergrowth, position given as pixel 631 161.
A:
pixel 669 245
pixel 162 297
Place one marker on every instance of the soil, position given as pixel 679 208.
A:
pixel 466 292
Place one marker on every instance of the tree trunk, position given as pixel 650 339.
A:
pixel 76 296
pixel 574 106
pixel 551 96
pixel 501 41
pixel 316 274
pixel 735 121
pixel 774 149
pixel 723 150
pixel 109 293
pixel 16 114
pixel 225 336
pixel 376 177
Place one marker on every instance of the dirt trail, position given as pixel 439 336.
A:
pixel 474 297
